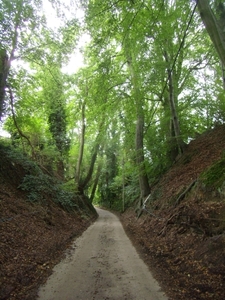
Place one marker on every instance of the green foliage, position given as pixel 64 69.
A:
pixel 38 187
pixel 69 186
pixel 48 103
pixel 214 177
pixel 57 126
pixel 66 199
pixel 220 114
pixel 43 187
pixel 5 143
pixel 17 156
pixel 19 15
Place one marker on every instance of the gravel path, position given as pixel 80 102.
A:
pixel 104 265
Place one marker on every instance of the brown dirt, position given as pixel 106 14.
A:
pixel 184 244
pixel 33 236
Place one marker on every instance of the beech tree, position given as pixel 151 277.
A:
pixel 20 22
pixel 161 55
pixel 215 26
pixel 148 87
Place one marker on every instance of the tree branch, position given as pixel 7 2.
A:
pixel 15 121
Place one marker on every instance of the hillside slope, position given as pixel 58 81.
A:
pixel 181 231
pixel 33 235
pixel 180 234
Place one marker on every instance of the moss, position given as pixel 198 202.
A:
pixel 215 175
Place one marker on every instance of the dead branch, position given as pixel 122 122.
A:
pixel 143 208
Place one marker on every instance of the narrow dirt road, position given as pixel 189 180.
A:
pixel 103 266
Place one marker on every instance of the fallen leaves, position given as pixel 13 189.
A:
pixel 185 245
pixel 29 245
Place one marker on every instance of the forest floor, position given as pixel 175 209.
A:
pixel 33 237
pixel 182 241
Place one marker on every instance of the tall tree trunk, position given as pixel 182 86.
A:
pixel 5 65
pixel 3 78
pixel 82 184
pixel 82 140
pixel 139 137
pixel 6 61
pixel 223 75
pixel 95 183
pixel 214 26
pixel 174 116
pixel 175 127
pixel 140 159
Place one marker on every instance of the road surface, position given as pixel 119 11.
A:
pixel 104 265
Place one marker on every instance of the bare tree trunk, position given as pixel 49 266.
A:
pixel 82 184
pixel 213 26
pixel 5 61
pixel 140 159
pixel 95 183
pixel 82 139
pixel 139 138
pixel 173 107
pixel 5 65
pixel 3 78
pixel 175 127
pixel 174 115
pixel 223 75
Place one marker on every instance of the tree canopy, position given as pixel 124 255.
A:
pixel 152 79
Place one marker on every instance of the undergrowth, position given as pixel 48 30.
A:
pixel 39 186
pixel 42 187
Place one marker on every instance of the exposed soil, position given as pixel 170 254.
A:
pixel 183 241
pixel 33 236
pixel 180 234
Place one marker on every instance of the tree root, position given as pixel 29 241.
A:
pixel 181 197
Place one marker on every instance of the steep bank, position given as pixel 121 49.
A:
pixel 34 235
pixel 181 231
